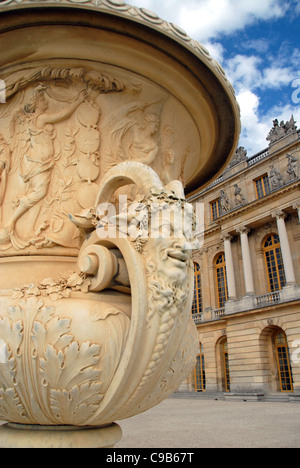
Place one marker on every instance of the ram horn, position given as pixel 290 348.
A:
pixel 128 173
pixel 176 188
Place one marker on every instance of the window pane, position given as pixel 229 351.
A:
pixel 222 290
pixel 283 362
pixel 197 303
pixel 274 263
pixel 215 209
pixel 262 186
pixel 200 379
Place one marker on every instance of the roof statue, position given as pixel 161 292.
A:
pixel 281 130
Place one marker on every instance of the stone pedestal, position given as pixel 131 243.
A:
pixel 28 436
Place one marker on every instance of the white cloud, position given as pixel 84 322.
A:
pixel 215 49
pixel 207 19
pixel 255 127
pixel 276 77
pixel 251 74
pixel 254 131
pixel 259 45
pixel 166 9
pixel 243 71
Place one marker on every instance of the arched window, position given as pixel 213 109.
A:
pixel 283 362
pixel 274 263
pixel 200 380
pixel 226 365
pixel 197 303
pixel 221 280
pixel 223 364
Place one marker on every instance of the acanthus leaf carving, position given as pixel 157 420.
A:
pixel 58 368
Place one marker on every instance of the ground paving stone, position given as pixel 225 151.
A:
pixel 199 423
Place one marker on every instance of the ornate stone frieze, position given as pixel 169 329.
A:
pixel 61 130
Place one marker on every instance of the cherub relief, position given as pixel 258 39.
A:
pixel 33 132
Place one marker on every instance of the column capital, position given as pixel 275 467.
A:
pixel 296 205
pixel 279 214
pixel 225 236
pixel 243 230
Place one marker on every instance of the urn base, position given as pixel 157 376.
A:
pixel 34 436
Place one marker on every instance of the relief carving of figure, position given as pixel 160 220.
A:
pixel 171 152
pixel 239 199
pixel 292 169
pixel 5 164
pixel 133 131
pixel 275 178
pixel 224 202
pixel 34 136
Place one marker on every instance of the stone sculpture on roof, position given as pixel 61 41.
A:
pixel 281 130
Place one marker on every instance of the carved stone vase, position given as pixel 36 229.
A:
pixel 110 119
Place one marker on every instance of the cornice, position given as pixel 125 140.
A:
pixel 260 201
pixel 236 213
pixel 229 180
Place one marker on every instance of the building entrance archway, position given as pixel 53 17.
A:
pixel 276 360
pixel 223 365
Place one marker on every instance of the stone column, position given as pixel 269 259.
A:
pixel 285 247
pixel 229 267
pixel 247 266
pixel 296 206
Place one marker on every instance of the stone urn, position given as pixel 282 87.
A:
pixel 110 119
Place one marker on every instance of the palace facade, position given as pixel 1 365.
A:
pixel 247 275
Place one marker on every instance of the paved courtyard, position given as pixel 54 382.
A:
pixel 200 423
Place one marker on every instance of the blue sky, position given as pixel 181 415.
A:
pixel 257 42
